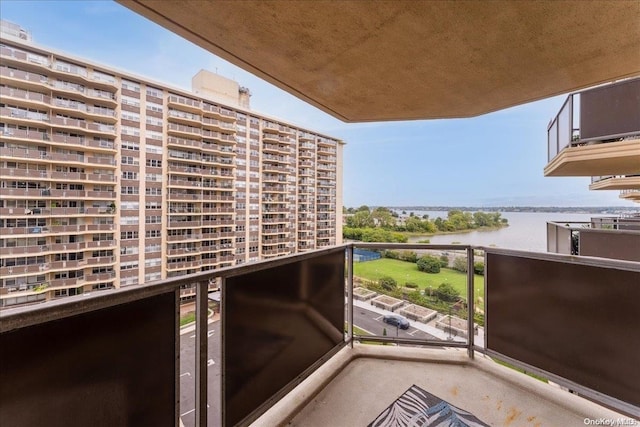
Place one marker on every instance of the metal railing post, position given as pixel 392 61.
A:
pixel 470 302
pixel 201 353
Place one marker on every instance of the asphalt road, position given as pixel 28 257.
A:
pixel 363 318
pixel 372 322
pixel 187 375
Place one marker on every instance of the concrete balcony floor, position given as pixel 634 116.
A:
pixel 358 383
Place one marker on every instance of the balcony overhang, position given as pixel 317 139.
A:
pixel 631 195
pixel 614 158
pixel 617 183
pixel 406 60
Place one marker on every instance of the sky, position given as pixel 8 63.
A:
pixel 495 159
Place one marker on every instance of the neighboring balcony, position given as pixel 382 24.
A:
pixel 615 238
pixel 286 351
pixel 615 182
pixel 633 195
pixel 597 132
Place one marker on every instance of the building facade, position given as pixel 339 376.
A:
pixel 109 179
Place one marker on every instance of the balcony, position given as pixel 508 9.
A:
pixel 633 195
pixel 597 132
pixel 304 370
pixel 615 182
pixel 615 238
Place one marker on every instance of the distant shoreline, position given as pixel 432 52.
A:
pixel 598 210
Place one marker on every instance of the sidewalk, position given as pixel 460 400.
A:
pixel 428 328
pixel 192 326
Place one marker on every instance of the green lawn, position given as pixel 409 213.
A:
pixel 408 272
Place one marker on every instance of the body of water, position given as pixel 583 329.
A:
pixel 526 231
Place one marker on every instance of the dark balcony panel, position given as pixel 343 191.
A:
pixel 616 244
pixel 110 367
pixel 572 318
pixel 610 111
pixel 278 326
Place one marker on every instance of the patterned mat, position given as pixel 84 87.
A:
pixel 419 408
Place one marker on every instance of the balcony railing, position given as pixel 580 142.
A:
pixel 570 319
pixel 616 238
pixel 605 113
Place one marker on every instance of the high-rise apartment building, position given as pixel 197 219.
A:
pixel 109 179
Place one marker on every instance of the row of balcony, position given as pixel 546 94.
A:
pixel 21 77
pixel 48 65
pixel 47 101
pixel 48 193
pixel 56 229
pixel 56 248
pixel 57 176
pixel 51 156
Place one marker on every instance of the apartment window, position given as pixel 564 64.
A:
pixel 153 205
pixel 153 262
pixel 130 145
pixel 128 250
pixel 240 251
pixel 154 177
pixel 153 191
pixel 153 219
pixel 240 228
pixel 152 248
pixel 153 149
pixel 151 91
pixel 152 163
pixel 152 277
pixel 128 160
pixel 129 190
pixel 150 234
pixel 129 130
pixel 154 135
pixel 154 121
pixel 129 175
pixel 129 220
pixel 127 100
pixel 152 106
pixel 130 265
pixel 253 249
pixel 127 115
pixel 129 85
pixel 240 239
pixel 128 281
pixel 128 235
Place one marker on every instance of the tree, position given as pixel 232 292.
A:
pixel 444 261
pixel 388 283
pixel 360 219
pixel 409 256
pixel 429 264
pixel 460 264
pixel 383 218
pixel 446 292
pixel 478 268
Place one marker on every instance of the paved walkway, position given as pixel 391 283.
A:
pixel 428 327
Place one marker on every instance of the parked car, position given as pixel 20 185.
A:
pixel 396 320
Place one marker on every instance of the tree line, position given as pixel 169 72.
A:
pixel 369 225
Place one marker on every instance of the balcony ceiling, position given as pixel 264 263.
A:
pixel 402 60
